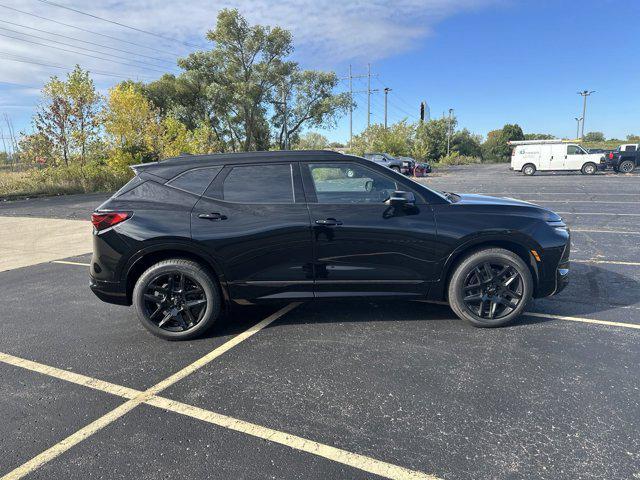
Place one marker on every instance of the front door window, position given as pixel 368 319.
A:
pixel 350 183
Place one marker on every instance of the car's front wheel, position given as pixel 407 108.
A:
pixel 490 287
pixel 177 299
pixel 589 169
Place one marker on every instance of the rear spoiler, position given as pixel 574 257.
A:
pixel 140 167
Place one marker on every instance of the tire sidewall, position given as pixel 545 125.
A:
pixel 529 169
pixel 192 269
pixel 587 167
pixel 467 265
pixel 626 162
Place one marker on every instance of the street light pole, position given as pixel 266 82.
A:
pixel 449 132
pixel 386 92
pixel 584 94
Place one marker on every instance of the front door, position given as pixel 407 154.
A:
pixel 253 220
pixel 574 157
pixel 363 245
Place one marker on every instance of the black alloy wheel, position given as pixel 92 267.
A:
pixel 626 166
pixel 175 301
pixel 493 290
pixel 490 287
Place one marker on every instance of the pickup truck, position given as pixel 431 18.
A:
pixel 624 159
pixel 400 166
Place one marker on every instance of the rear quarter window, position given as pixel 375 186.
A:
pixel 195 181
pixel 130 185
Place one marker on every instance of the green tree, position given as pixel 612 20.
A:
pixel 538 136
pixel 395 140
pixel 311 141
pixel 633 138
pixel 495 148
pixel 84 103
pixel 310 102
pixel 466 143
pixel 594 137
pixel 431 138
pixel 132 128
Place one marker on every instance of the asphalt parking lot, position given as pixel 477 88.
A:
pixel 351 389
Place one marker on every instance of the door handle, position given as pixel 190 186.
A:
pixel 329 222
pixel 212 216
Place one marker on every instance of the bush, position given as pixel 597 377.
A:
pixel 62 180
pixel 454 158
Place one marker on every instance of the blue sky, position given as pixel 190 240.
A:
pixel 493 61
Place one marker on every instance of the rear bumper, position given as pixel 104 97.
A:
pixel 110 292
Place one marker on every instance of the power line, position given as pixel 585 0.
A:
pixel 41 63
pixel 89 31
pixel 79 40
pixel 75 46
pixel 78 53
pixel 119 24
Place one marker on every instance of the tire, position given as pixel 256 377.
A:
pixel 626 166
pixel 470 279
pixel 589 169
pixel 197 302
pixel 529 169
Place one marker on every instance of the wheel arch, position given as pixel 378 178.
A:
pixel 519 247
pixel 156 253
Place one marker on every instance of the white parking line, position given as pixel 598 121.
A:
pixel 611 262
pixel 65 262
pixel 569 201
pixel 601 213
pixel 617 232
pixel 567 193
pixel 141 397
pixel 583 320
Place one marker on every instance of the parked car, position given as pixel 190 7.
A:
pixel 188 236
pixel 529 156
pixel 402 166
pixel 624 159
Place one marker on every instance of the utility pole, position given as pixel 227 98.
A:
pixel 368 95
pixel 350 106
pixel 578 119
pixel 285 128
pixel 584 94
pixel 386 92
pixel 449 132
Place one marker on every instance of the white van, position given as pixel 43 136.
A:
pixel 529 156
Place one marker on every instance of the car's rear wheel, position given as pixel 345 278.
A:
pixel 626 166
pixel 490 287
pixel 589 169
pixel 177 299
pixel 529 169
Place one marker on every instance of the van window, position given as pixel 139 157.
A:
pixel 631 148
pixel 195 181
pixel 259 184
pixel 574 150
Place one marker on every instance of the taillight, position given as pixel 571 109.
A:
pixel 611 156
pixel 105 220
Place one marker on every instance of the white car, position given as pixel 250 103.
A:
pixel 529 156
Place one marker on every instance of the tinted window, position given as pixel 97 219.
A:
pixel 350 183
pixel 259 184
pixel 631 148
pixel 195 181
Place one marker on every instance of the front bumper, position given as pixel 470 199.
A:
pixel 563 269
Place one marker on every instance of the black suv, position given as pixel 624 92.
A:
pixel 188 236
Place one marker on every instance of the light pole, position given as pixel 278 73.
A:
pixel 578 119
pixel 584 94
pixel 449 132
pixel 386 92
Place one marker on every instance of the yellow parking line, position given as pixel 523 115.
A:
pixel 612 262
pixel 361 462
pixel 65 262
pixel 583 320
pixel 141 397
pixel 137 397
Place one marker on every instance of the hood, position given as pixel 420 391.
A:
pixel 473 199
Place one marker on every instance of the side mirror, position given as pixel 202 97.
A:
pixel 400 198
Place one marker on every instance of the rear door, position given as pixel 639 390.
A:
pixel 363 246
pixel 253 220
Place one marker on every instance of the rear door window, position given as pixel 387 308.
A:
pixel 195 181
pixel 268 183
